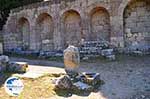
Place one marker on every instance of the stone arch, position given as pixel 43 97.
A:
pixel 71 20
pixel 44 30
pixel 24 33
pixel 136 22
pixel 100 24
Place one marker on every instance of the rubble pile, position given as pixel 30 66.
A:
pixel 96 48
pixel 83 81
pixel 74 79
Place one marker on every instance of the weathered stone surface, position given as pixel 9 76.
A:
pixel 137 24
pixel 1 48
pixel 92 48
pixel 4 59
pixel 3 63
pixel 109 54
pixel 52 25
pixel 71 60
pixel 111 57
pixel 90 78
pixel 82 86
pixel 19 67
pixel 64 82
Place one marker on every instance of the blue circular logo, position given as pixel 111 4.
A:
pixel 13 86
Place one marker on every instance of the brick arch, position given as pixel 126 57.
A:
pixel 124 4
pixel 71 23
pixel 63 11
pixel 136 22
pixel 44 32
pixel 23 27
pixel 100 24
pixel 23 15
pixel 96 5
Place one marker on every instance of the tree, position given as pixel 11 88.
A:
pixel 7 5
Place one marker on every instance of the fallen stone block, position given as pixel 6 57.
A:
pixel 90 78
pixel 63 82
pixel 82 86
pixel 107 52
pixel 19 67
pixel 4 59
pixel 111 57
pixel 137 53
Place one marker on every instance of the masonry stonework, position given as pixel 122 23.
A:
pixel 54 24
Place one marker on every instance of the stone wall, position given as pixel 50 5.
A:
pixel 137 24
pixel 54 24
pixel 44 32
pixel 100 23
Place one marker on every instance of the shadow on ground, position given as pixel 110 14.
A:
pixel 3 77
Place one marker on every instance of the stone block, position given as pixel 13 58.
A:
pixel 64 82
pixel 82 86
pixel 19 67
pixel 4 59
pixel 89 78
pixel 107 52
pixel 71 59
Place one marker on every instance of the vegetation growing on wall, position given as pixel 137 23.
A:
pixel 7 5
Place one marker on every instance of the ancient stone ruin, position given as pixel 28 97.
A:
pixel 74 79
pixel 54 24
pixel 15 67
pixel 71 60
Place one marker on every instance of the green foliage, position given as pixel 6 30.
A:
pixel 7 5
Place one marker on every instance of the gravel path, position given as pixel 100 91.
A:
pixel 128 78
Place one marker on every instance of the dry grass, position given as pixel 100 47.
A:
pixel 33 89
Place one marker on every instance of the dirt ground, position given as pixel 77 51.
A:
pixel 126 78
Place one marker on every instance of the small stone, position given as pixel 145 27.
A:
pixel 64 82
pixel 90 78
pixel 138 53
pixel 111 57
pixel 4 59
pixel 82 86
pixel 142 96
pixel 85 58
pixel 107 52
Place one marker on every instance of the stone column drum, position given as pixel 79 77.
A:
pixel 71 60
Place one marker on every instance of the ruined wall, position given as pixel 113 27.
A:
pixel 100 23
pixel 54 24
pixel 44 32
pixel 23 32
pixel 137 24
pixel 72 26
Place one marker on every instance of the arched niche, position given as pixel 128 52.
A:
pixel 136 19
pixel 72 28
pixel 44 32
pixel 100 24
pixel 24 33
